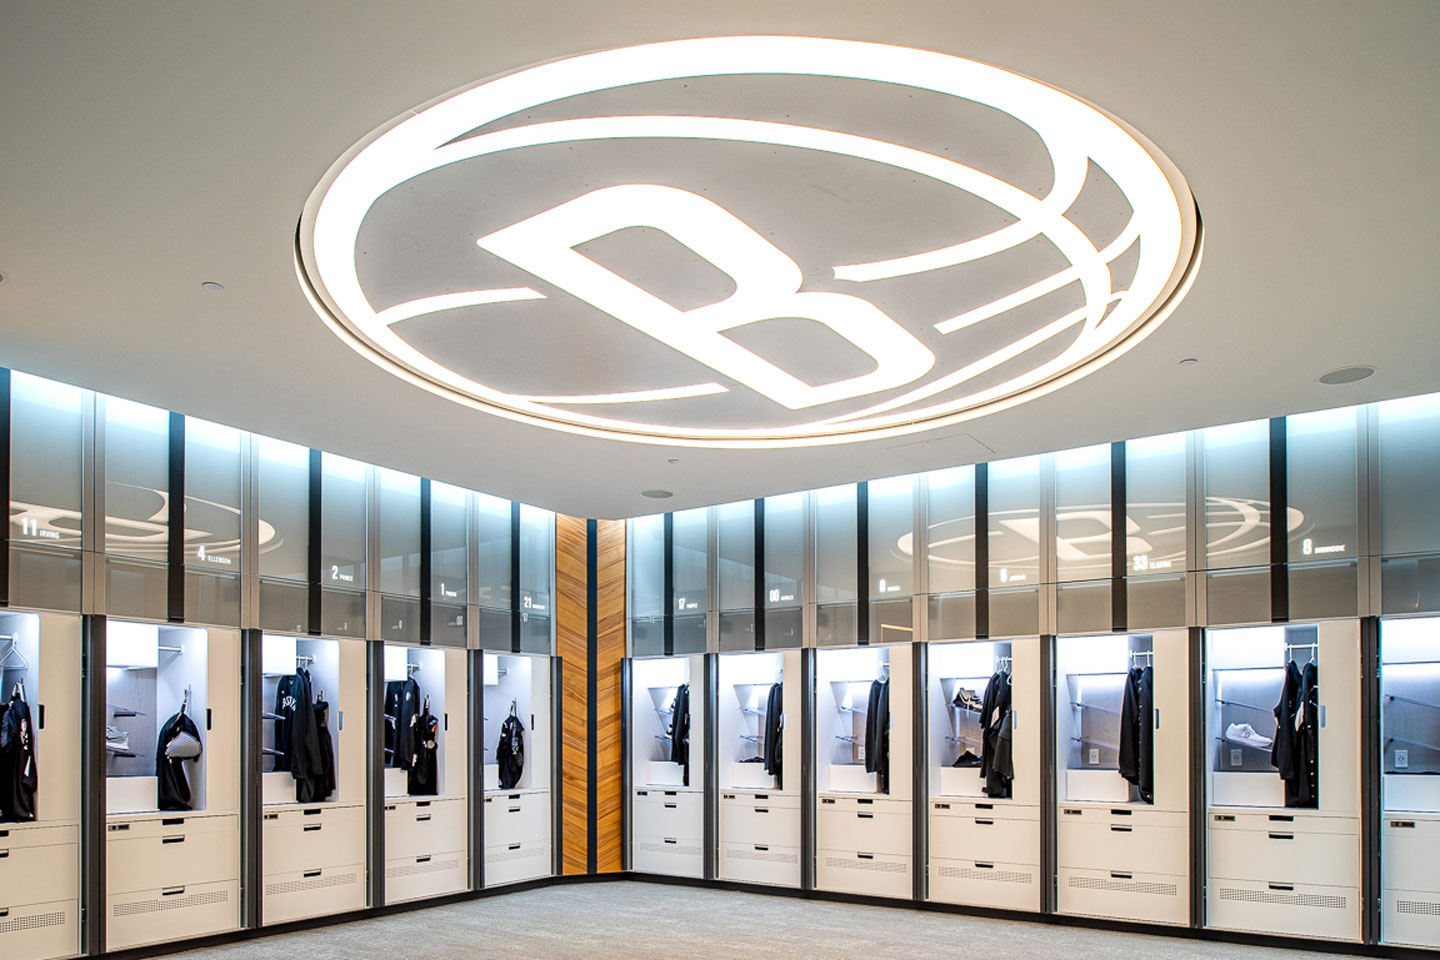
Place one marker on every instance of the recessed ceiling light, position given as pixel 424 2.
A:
pixel 210 286
pixel 1189 362
pixel 657 494
pixel 1345 375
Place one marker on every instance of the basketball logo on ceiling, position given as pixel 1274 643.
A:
pixel 749 242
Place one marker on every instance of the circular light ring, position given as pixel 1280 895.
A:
pixel 1164 219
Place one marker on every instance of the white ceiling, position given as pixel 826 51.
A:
pixel 150 146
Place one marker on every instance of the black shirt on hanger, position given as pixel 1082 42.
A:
pixel 877 733
pixel 773 741
pixel 18 775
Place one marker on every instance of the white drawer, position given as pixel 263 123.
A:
pixel 313 893
pixel 1284 856
pixel 1136 815
pixel 1409 852
pixel 14 836
pixel 1128 848
pixel 1124 895
pixel 40 931
pixel 993 809
pixel 760 863
pixel 865 804
pixel 1411 917
pixel 419 877
pixel 415 829
pixel 171 913
pixel 984 838
pixel 660 815
pixel 752 823
pixel 672 856
pixel 517 817
pixel 985 883
pixel 188 853
pixel 36 874
pixel 865 830
pixel 512 862
pixel 300 841
pixel 1297 822
pixel 776 801
pixel 1292 910
pixel 863 873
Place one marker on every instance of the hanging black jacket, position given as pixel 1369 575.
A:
pixel 286 701
pixel 402 712
pixel 680 731
pixel 1283 754
pixel 997 763
pixel 423 780
pixel 877 734
pixel 774 725
pixel 172 786
pixel 306 761
pixel 18 775
pixel 1306 784
pixel 326 750
pixel 510 752
pixel 1137 731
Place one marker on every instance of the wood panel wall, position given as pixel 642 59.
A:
pixel 582 655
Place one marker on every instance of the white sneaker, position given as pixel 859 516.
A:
pixel 1244 733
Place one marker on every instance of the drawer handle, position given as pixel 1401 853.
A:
pixel 668 840
pixel 762 809
pixel 984 866
pixel 165 840
pixel 865 816
pixel 422 817
pixel 865 856
pixel 1286 887
pixel 1282 836
pixel 671 793
pixel 423 803
pixel 517 809
pixel 762 848
pixel 4 833
pixel 4 913
pixel 512 796
pixel 1115 829
pixel 173 822
pixel 1403 824
pixel 4 854
pixel 313 811
pixel 422 859
pixel 311 828
pixel 1121 812
pixel 1283 818
pixel 984 806
pixel 672 806
pixel 642 793
pixel 942 806
pixel 864 800
pixel 311 874
pixel 984 823
pixel 762 796
pixel 172 892
pixel 271 816
pixel 1117 875
pixel 513 846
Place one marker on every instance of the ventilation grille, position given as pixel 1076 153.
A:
pixel 999 876
pixel 1427 908
pixel 763 856
pixel 33 922
pixel 310 883
pixel 506 855
pixel 678 849
pixel 878 866
pixel 1124 886
pixel 1284 897
pixel 433 865
pixel 135 908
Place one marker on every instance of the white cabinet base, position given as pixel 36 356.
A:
pixel 40 931
pixel 866 874
pixel 313 893
pixel 1005 886
pixel 513 862
pixel 673 856
pixel 171 913
pixel 432 875
pixel 760 863
pixel 1411 918
pixel 1121 895
pixel 1291 910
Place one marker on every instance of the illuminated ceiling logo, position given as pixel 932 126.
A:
pixel 750 242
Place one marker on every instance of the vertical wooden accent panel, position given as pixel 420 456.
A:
pixel 609 652
pixel 580 741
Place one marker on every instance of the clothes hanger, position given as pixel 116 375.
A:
pixel 514 708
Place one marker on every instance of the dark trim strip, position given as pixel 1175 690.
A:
pixel 515 605
pixel 862 563
pixel 809 799
pixel 92 784
pixel 1049 780
pixel 1199 771
pixel 627 759
pixel 5 484
pixel 760 574
pixel 982 551
pixel 252 741
pixel 669 585
pixel 1119 598
pixel 1279 527
pixel 592 712
pixel 175 524
pixel 710 677
pixel 314 556
pixel 920 771
pixel 427 546
pixel 557 765
pixel 1371 756
pixel 475 775
pixel 375 801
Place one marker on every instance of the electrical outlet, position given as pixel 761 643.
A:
pixel 1094 756
pixel 1402 759
pixel 1235 759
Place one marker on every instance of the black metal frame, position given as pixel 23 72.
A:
pixel 93 831
pixel 1049 784
pixel 475 772
pixel 515 576
pixel 175 524
pixel 760 574
pixel 592 709
pixel 1279 510
pixel 252 828
pixel 920 772
pixel 427 546
pixel 1119 597
pixel 668 589
pixel 710 677
pixel 1199 753
pixel 1371 762
pixel 314 597
pixel 5 484
pixel 808 789
pixel 375 784
pixel 862 563
pixel 982 551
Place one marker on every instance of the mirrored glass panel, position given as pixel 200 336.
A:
pixel 46 462
pixel 1321 485
pixel 342 523
pixel 137 480
pixel 284 494
pixel 1014 522
pixel 1237 495
pixel 735 560
pixel 835 556
pixel 212 496
pixel 891 505
pixel 1082 513
pixel 1155 508
pixel 1409 475
pixel 688 556
pixel 950 538
pixel 492 589
pixel 399 533
pixel 784 552
pixel 537 565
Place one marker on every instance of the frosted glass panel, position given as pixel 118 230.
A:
pixel 137 480
pixel 735 531
pixel 892 534
pixel 212 496
pixel 449 552
pixel 1237 495
pixel 493 587
pixel 399 533
pixel 284 510
pixel 784 551
pixel 647 566
pixel 689 559
pixel 835 558
pixel 1321 485
pixel 1409 475
pixel 342 523
pixel 1014 522
pixel 1082 513
pixel 1155 505
pixel 537 558
pixel 46 462
pixel 950 545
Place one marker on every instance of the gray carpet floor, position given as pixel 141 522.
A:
pixel 634 920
